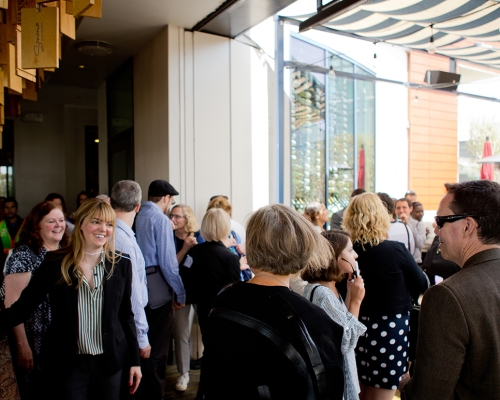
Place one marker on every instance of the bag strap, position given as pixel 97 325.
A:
pixel 314 358
pixel 274 336
pixel 408 234
pixel 312 351
pixel 312 293
pixel 34 257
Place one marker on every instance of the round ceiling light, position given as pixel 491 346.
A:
pixel 94 48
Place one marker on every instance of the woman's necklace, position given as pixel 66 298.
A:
pixel 273 277
pixel 93 254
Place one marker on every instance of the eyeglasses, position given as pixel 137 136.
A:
pixel 173 216
pixel 441 220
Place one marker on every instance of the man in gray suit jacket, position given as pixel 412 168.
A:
pixel 458 351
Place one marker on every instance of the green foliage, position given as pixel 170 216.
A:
pixel 480 128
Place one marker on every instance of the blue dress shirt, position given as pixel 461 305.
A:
pixel 126 243
pixel 156 240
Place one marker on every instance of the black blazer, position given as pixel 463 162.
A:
pixel 59 348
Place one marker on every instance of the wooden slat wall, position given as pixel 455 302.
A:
pixel 432 140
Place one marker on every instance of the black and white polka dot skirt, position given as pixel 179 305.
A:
pixel 382 352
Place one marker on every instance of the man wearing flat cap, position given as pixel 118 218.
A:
pixel 165 289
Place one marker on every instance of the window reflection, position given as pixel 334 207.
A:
pixel 332 130
pixel 307 127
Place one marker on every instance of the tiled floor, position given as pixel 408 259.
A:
pixel 190 393
pixel 171 379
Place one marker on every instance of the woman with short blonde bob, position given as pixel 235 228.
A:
pixel 92 333
pixel 391 279
pixel 242 362
pixel 214 265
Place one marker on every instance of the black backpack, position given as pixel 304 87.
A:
pixel 311 369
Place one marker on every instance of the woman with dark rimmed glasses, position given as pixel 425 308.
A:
pixel 186 236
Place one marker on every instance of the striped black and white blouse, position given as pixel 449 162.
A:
pixel 90 305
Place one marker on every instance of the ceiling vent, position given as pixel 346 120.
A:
pixel 94 48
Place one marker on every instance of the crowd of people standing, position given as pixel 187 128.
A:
pixel 92 314
pixel 160 272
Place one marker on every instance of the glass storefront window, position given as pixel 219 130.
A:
pixel 365 134
pixel 332 130
pixel 308 128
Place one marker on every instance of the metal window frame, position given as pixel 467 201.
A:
pixel 280 64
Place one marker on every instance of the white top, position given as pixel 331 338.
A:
pixel 399 232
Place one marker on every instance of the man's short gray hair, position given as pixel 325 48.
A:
pixel 125 195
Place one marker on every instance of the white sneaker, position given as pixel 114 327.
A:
pixel 182 382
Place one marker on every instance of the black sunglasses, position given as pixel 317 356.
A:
pixel 441 220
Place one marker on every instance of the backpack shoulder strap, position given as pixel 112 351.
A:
pixel 275 337
pixel 316 364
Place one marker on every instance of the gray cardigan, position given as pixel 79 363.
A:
pixel 353 329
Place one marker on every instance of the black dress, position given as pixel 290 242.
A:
pixel 237 360
pixel 391 279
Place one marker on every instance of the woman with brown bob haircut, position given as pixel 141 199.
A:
pixel 392 279
pixel 92 334
pixel 321 291
pixel 249 363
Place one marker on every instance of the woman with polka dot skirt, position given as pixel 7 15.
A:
pixel 392 279
pixel 321 291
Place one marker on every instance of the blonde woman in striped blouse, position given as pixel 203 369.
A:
pixel 93 333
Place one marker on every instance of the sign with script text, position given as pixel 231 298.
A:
pixel 40 37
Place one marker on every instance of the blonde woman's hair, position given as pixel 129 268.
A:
pixel 216 225
pixel 281 241
pixel 89 209
pixel 220 202
pixel 191 223
pixel 366 219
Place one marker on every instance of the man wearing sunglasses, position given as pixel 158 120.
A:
pixel 458 352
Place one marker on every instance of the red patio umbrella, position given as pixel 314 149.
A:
pixel 487 171
pixel 361 168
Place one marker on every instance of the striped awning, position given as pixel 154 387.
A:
pixel 464 29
